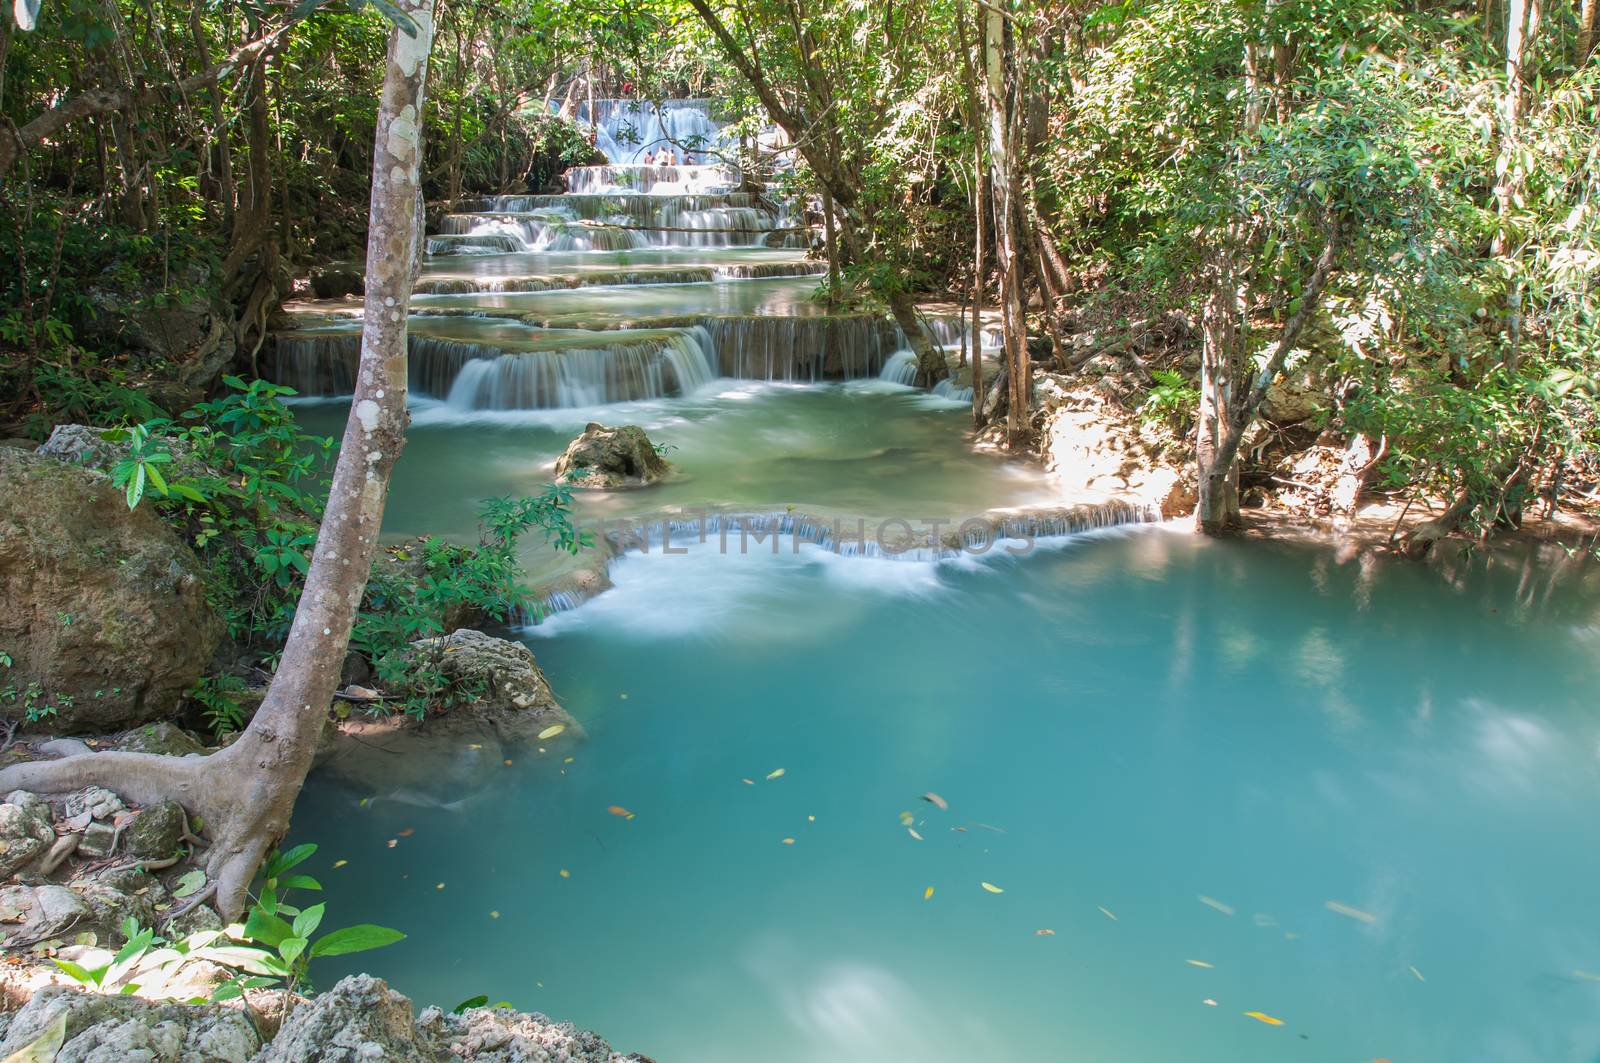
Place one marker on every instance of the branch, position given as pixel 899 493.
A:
pixel 103 101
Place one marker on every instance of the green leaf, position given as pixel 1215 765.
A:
pixel 266 928
pixel 358 938
pixel 299 882
pixel 306 923
pixel 77 972
pixel 190 883
pixel 284 861
pixel 471 1002
pixel 156 478
pixel 291 948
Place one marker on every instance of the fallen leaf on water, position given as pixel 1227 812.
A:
pixel 907 818
pixel 1587 976
pixel 811 819
pixel 1261 1016
pixel 748 782
pixel 508 764
pixel 618 810
pixel 913 833
pixel 565 873
pixel 991 887
pixel 569 760
pixel 1265 921
pixel 1200 963
pixel 337 864
pixel 1044 932
pixel 990 826
pixel 1107 912
pixel 1353 913
pixel 1418 974
pixel 624 697
pixel 788 841
pixel 551 731
pixel 775 773
pixel 440 886
pixel 494 915
pixel 1208 1002
pixel 363 802
pixel 408 832
pixel 927 893
pixel 474 745
pixel 938 802
pixel 393 842
pixel 1212 902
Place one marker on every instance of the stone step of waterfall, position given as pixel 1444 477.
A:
pixel 653 180
pixel 479 363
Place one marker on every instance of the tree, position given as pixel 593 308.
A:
pixel 245 793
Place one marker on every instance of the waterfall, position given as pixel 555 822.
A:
pixel 901 368
pixel 809 348
pixel 651 180
pixel 477 243
pixel 949 389
pixel 626 130
pixel 584 376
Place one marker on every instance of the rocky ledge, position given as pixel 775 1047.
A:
pixel 359 1019
pixel 609 458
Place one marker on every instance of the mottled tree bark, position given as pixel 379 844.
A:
pixel 245 793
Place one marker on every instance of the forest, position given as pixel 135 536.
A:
pixel 355 355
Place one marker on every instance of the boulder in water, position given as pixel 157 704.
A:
pixel 609 458
pixel 102 608
pixel 500 690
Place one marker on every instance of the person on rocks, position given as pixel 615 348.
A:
pixel 649 158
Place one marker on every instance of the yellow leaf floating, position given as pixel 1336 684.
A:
pixel 811 819
pixel 551 731
pixel 775 773
pixel 1044 932
pixel 907 818
pixel 494 914
pixel 748 782
pixel 1107 912
pixel 788 841
pixel 991 887
pixel 935 800
pixel 1418 974
pixel 927 893
pixel 1200 963
pixel 913 833
pixel 1212 902
pixel 565 873
pixel 337 864
pixel 1352 912
pixel 1208 1002
pixel 1261 1016
pixel 1587 976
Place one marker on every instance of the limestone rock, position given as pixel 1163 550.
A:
pixel 25 832
pixel 486 1035
pixel 1288 403
pixel 608 458
pixel 116 893
pixel 500 688
pixel 161 738
pixel 359 1019
pixel 101 606
pixel 114 1029
pixel 33 913
pixel 155 833
pixel 96 802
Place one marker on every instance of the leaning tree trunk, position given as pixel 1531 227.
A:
pixel 1000 93
pixel 245 793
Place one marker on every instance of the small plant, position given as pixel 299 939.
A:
pixel 141 467
pixel 218 698
pixel 1172 401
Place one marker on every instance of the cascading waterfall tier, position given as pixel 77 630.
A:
pixel 627 130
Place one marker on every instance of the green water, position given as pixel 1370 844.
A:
pixel 1129 721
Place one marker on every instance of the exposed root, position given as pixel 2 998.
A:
pixel 189 904
pixel 64 847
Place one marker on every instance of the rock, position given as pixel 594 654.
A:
pixel 155 833
pixel 486 1035
pixel 360 1019
pixel 64 747
pixel 101 606
pixel 86 445
pixel 113 1029
pixel 608 458
pixel 337 282
pixel 42 912
pixel 498 687
pixel 96 802
pixel 162 738
pixel 98 838
pixel 1288 403
pixel 25 832
pixel 1181 499
pixel 115 894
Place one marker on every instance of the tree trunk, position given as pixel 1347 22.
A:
pixel 245 793
pixel 931 366
pixel 1000 95
pixel 1218 509
pixel 1588 16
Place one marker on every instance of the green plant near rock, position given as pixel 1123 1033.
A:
pixel 1173 400
pixel 448 583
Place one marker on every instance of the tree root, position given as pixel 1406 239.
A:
pixel 239 806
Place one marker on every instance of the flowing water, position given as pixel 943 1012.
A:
pixel 1124 796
